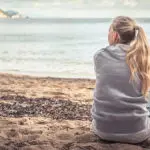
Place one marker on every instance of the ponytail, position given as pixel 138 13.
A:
pixel 138 59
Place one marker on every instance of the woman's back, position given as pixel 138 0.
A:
pixel 119 109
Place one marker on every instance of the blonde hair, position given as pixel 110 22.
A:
pixel 138 56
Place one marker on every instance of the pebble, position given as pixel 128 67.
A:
pixel 45 107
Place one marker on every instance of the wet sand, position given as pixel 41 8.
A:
pixel 48 114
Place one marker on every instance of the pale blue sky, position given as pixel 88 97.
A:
pixel 78 8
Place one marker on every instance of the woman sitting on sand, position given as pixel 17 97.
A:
pixel 122 84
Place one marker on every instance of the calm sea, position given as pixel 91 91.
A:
pixel 52 47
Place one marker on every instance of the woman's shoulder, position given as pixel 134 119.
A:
pixel 107 48
pixel 102 50
pixel 118 50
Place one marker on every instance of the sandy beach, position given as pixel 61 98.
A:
pixel 48 114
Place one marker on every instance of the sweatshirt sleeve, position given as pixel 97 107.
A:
pixel 98 59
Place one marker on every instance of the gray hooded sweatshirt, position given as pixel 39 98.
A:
pixel 119 110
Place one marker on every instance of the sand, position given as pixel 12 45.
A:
pixel 48 114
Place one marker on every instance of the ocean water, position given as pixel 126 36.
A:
pixel 52 47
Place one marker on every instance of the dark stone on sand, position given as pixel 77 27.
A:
pixel 45 107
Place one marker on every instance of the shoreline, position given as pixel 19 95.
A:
pixel 45 76
pixel 34 86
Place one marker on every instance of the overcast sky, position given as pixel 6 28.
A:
pixel 78 8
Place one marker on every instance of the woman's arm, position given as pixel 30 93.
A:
pixel 98 56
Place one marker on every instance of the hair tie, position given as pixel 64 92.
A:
pixel 136 28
